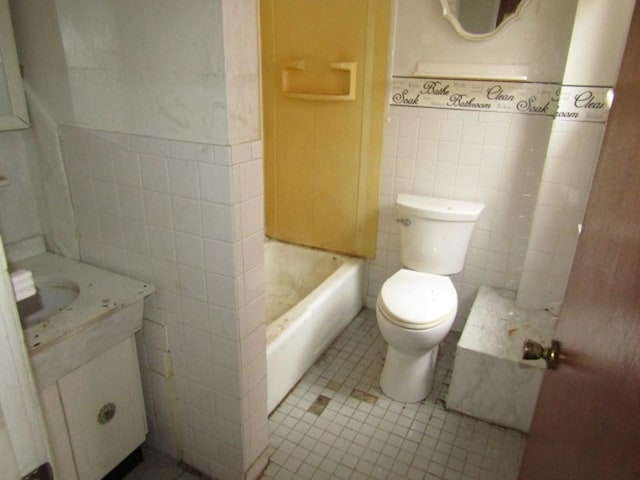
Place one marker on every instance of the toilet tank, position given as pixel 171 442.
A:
pixel 435 232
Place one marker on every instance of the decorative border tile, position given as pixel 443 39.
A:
pixel 577 103
pixel 584 104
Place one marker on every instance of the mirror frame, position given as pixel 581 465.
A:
pixel 18 118
pixel 446 13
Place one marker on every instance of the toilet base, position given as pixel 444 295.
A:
pixel 408 378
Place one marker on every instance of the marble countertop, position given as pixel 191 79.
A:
pixel 102 294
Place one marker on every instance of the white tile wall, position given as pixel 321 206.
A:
pixel 187 217
pixel 50 182
pixel 493 158
pixel 564 191
pixel 19 217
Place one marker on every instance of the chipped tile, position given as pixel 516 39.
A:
pixel 319 405
pixel 363 396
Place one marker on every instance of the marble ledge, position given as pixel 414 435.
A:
pixel 490 381
pixel 497 327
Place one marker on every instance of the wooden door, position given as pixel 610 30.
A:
pixel 587 421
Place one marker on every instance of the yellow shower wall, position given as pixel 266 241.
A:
pixel 324 67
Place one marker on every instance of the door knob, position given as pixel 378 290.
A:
pixel 532 350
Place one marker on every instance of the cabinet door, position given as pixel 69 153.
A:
pixel 63 465
pixel 104 410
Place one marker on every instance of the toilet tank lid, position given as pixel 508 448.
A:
pixel 438 208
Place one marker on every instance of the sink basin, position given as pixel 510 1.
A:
pixel 53 295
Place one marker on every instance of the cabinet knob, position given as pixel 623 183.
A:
pixel 106 413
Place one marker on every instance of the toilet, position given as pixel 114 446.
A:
pixel 417 305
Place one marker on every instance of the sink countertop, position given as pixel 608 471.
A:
pixel 102 294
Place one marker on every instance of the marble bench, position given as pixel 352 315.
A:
pixel 490 381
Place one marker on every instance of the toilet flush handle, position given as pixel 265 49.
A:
pixel 404 221
pixel 532 350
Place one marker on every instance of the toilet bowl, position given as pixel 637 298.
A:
pixel 414 311
pixel 417 305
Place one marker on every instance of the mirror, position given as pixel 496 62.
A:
pixel 480 19
pixel 13 107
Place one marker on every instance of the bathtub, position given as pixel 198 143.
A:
pixel 311 297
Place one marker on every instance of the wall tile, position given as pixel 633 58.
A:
pixel 111 229
pixel 192 283
pixel 161 243
pixel 101 163
pixel 140 266
pixel 183 178
pixel 106 197
pixel 131 203
pixel 253 251
pixel 217 221
pixel 215 183
pixel 252 316
pixel 189 250
pixel 195 343
pixel 225 352
pixel 76 158
pixel 195 314
pixel 187 215
pixel 252 181
pixel 241 153
pixel 157 208
pixel 252 216
pixel 224 322
pixel 135 237
pixel 82 193
pixel 254 283
pixel 154 173
pixel 222 155
pixel 200 370
pixel 226 380
pixel 221 291
pixel 220 257
pixel 127 168
pixel 165 274
pixel 88 226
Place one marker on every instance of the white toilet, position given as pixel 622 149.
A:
pixel 416 308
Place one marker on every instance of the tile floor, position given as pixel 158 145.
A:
pixel 337 424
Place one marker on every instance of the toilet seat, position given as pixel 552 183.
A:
pixel 417 300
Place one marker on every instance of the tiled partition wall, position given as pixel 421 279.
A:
pixel 495 158
pixel 564 190
pixel 189 218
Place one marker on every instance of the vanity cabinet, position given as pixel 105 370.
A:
pixel 95 414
